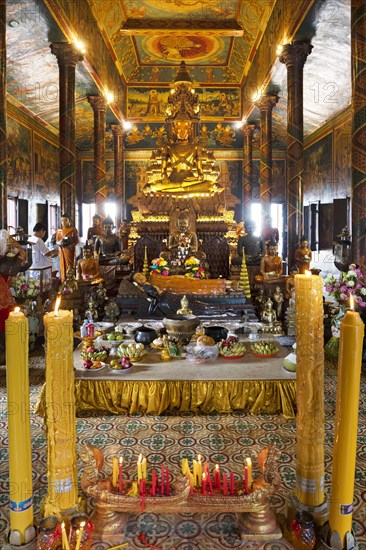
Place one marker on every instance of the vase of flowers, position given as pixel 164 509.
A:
pixel 23 288
pixel 159 266
pixel 193 268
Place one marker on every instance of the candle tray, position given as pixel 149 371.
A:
pixel 255 518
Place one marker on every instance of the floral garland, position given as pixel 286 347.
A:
pixel 22 288
pixel 193 268
pixel 159 266
pixel 349 283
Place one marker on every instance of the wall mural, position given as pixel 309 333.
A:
pixel 19 155
pixel 342 160
pixel 278 180
pixel 152 136
pixel 151 103
pixel 318 171
pixel 46 166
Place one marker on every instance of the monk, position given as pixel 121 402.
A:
pixel 66 239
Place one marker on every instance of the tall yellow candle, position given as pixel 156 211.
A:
pixel 60 413
pixel 20 451
pixel 310 390
pixel 143 468
pixel 139 468
pixel 115 471
pixel 346 420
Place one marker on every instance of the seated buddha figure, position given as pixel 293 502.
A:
pixel 271 263
pixel 107 245
pixel 87 268
pixel 303 256
pixel 69 285
pixel 252 245
pixel 183 242
pixel 183 165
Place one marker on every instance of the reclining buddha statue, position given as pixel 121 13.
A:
pixel 182 165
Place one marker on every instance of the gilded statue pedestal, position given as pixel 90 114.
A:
pixel 188 285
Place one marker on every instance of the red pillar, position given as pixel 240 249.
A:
pixel 99 106
pixel 119 182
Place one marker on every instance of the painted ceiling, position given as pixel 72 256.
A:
pixel 133 48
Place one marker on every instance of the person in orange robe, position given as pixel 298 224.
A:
pixel 66 239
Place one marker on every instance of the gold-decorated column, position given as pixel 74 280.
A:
pixel 310 390
pixel 20 450
pixel 3 141
pixel 99 106
pixel 60 414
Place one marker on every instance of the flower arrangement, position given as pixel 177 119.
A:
pixel 159 266
pixel 193 268
pixel 20 287
pixel 349 283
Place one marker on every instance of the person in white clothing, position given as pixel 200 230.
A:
pixel 41 255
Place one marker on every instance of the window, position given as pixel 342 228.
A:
pixel 87 212
pixel 110 210
pixel 277 220
pixel 52 220
pixel 12 214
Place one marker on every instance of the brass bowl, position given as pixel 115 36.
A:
pixel 181 327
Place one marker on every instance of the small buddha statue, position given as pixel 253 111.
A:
pixel 268 314
pixel 107 245
pixel 92 312
pixel 271 264
pixel 303 256
pixel 87 268
pixel 278 302
pixel 184 307
pixel 253 246
pixel 112 312
pixel 96 230
pixel 259 302
pixel 70 285
pixel 101 294
pixel 183 242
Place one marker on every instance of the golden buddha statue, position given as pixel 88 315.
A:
pixel 303 256
pixel 183 240
pixel 182 165
pixel 70 285
pixel 87 268
pixel 271 264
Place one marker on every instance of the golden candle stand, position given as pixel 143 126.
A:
pixel 256 521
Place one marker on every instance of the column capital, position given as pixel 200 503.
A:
pixel 247 129
pixel 267 102
pixel 295 54
pixel 67 54
pixel 97 102
pixel 117 129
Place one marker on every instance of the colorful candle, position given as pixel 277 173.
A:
pixel 185 466
pixel 20 450
pixel 65 542
pixel 248 463
pixel 199 471
pixel 246 479
pixel 139 468
pixel 310 390
pixel 60 412
pixel 79 534
pixel 203 486
pixel 195 473
pixel 154 478
pixel 120 478
pixel 224 483
pixel 209 482
pixel 162 479
pixel 115 471
pixel 232 487
pixel 143 468
pixel 167 482
pixel 346 421
pixel 217 477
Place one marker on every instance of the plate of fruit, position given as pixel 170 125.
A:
pixel 123 363
pixel 88 364
pixel 231 348
pixel 114 337
pixel 134 352
pixel 264 349
pixel 93 354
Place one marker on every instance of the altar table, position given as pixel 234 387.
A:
pixel 152 386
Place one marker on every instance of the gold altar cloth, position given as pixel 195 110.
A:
pixel 223 396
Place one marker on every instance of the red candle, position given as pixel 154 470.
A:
pixel 167 486
pixel 217 477
pixel 162 479
pixel 153 482
pixel 232 488
pixel 224 483
pixel 142 487
pixel 120 481
pixel 246 480
pixel 203 488
pixel 209 482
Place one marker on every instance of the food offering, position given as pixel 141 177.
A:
pixel 204 350
pixel 115 336
pixel 264 349
pixel 135 352
pixel 231 348
pixel 122 363
pixel 93 358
